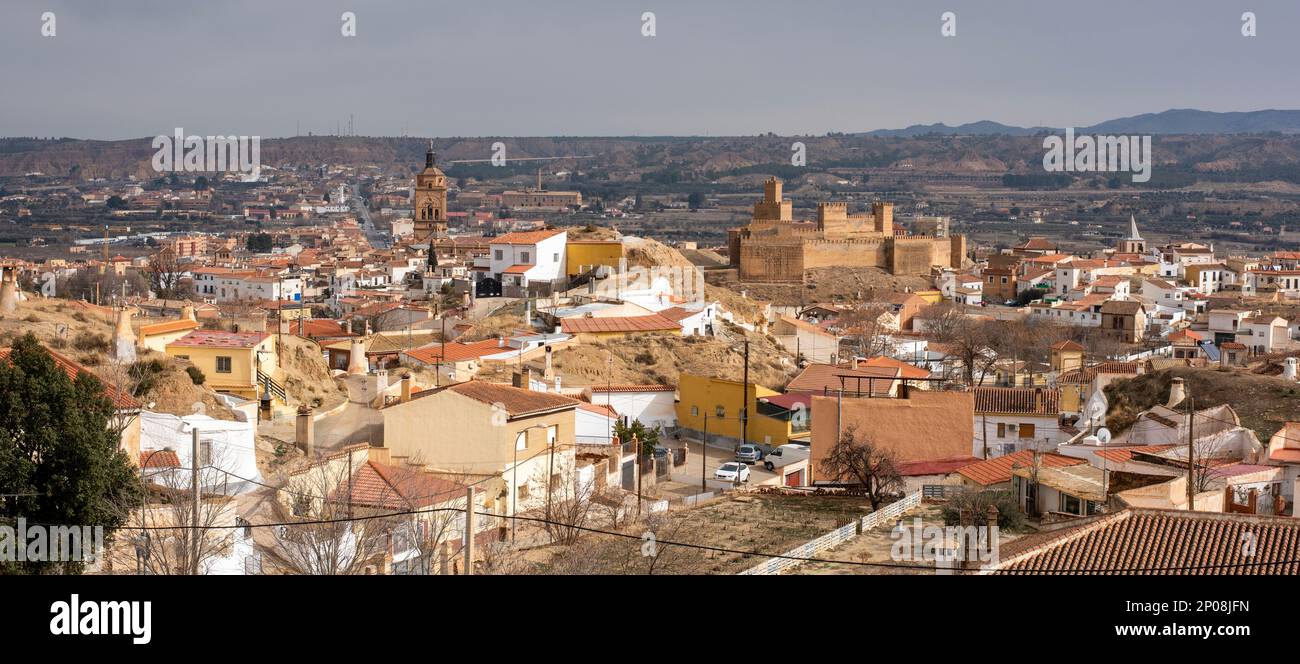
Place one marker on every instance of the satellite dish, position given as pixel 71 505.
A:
pixel 1103 435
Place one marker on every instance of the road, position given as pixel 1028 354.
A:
pixel 377 239
pixel 689 472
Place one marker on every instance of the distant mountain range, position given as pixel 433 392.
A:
pixel 1173 121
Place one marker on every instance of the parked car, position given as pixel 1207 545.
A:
pixel 728 470
pixel 785 455
pixel 749 453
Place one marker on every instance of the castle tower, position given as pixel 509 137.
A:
pixel 883 215
pixel 1133 244
pixel 430 203
pixel 773 208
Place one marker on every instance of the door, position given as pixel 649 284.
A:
pixel 629 475
pixel 795 478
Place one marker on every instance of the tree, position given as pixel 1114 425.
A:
pixel 856 459
pixel 648 437
pixel 201 183
pixel 695 201
pixel 116 202
pixel 259 243
pixel 165 274
pixel 60 463
pixel 869 328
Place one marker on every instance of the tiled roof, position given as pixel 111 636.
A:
pixel 525 237
pixel 159 459
pixel 456 351
pixel 998 469
pixel 167 327
pixel 121 400
pixel 827 377
pixel 392 487
pixel 517 269
pixel 1086 376
pixel 1067 345
pixel 882 362
pixel 1149 541
pixel 514 400
pixel 1020 400
pixel 651 323
pixel 1122 454
pixel 633 388
pixel 219 339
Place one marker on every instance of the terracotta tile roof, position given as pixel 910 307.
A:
pixel 827 377
pixel 599 409
pixel 320 327
pixel 219 339
pixel 159 459
pixel 651 323
pixel 1086 376
pixel 456 351
pixel 525 237
pixel 167 327
pixel 998 469
pixel 1121 307
pixel 633 388
pixel 906 370
pixel 392 487
pixel 1122 454
pixel 1019 400
pixel 678 313
pixel 788 401
pixel 517 269
pixel 1150 541
pixel 121 400
pixel 514 400
pixel 1067 345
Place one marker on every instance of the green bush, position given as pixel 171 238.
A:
pixel 196 375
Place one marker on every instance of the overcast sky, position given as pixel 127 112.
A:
pixel 582 67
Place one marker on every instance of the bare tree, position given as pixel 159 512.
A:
pixel 167 542
pixel 857 459
pixel 972 341
pixel 869 327
pixel 165 274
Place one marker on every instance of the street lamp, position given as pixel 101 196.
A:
pixel 514 479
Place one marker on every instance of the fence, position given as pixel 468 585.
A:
pixel 836 537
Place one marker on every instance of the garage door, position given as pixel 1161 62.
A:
pixel 795 478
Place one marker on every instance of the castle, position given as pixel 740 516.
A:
pixel 775 248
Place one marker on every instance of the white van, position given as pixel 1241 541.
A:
pixel 785 455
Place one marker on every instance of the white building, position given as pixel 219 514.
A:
pixel 518 260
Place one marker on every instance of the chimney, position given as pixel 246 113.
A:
pixel 501 342
pixel 187 312
pixel 406 387
pixel 379 454
pixel 304 437
pixel 123 337
pixel 8 290
pixel 549 372
pixel 1177 392
pixel 357 358
pixel 1289 369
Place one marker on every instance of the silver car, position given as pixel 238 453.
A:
pixel 749 453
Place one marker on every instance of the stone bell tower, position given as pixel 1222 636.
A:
pixel 430 203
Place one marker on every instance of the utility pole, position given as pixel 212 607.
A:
pixel 550 473
pixel 636 444
pixel 1191 455
pixel 704 456
pixel 985 435
pixel 744 403
pixel 194 502
pixel 469 531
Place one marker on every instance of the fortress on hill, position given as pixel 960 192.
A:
pixel 775 248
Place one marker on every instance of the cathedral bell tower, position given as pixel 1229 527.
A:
pixel 430 204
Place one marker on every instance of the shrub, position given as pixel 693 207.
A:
pixel 644 357
pixel 32 318
pixel 196 375
pixel 90 342
pixel 145 374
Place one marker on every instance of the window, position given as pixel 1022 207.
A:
pixel 1002 430
pixel 523 257
pixel 205 452
pixel 498 254
pixel 1070 504
pixel 223 364
pixel 695 411
pixel 555 258
pixel 521 440
pixel 521 493
pixel 1026 431
pixel 719 411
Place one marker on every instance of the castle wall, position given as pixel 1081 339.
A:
pixel 771 261
pixel 845 253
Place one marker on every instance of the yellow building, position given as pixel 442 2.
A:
pixel 720 400
pixel 584 255
pixel 230 361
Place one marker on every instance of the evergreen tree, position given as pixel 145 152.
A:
pixel 59 460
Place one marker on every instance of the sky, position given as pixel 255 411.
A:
pixel 272 68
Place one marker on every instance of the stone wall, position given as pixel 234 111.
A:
pixel 771 262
